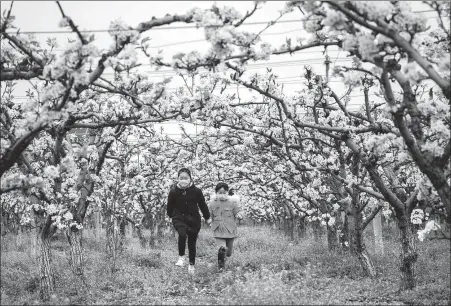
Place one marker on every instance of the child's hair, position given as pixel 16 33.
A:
pixel 186 170
pixel 231 192
pixel 222 185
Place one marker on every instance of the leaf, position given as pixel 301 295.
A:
pixel 145 39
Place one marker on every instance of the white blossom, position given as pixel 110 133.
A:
pixel 431 225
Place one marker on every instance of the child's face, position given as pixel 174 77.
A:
pixel 184 179
pixel 222 194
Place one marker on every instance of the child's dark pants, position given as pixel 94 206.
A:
pixel 192 238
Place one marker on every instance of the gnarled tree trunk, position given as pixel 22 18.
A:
pixel 302 227
pixel 409 255
pixel 43 232
pixel 74 237
pixel 111 240
pixel 317 232
pixel 140 234
pixel 98 224
pixel 360 250
pixel 343 237
pixel 46 273
pixel 377 229
pixel 332 238
pixel 122 233
pixel 356 227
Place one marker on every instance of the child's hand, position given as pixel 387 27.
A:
pixel 208 221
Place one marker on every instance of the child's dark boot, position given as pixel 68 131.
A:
pixel 221 257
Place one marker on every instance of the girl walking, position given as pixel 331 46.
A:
pixel 225 211
pixel 184 201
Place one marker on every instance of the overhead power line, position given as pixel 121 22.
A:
pixel 180 27
pixel 204 40
pixel 155 28
pixel 312 61
pixel 252 66
pixel 116 94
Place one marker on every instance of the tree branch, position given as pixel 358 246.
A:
pixel 11 75
pixel 72 25
pixel 367 190
pixel 388 195
pixel 12 154
pixel 304 124
pixel 5 24
pixel 19 45
pixel 443 160
pixel 371 217
pixel 385 29
pixel 248 14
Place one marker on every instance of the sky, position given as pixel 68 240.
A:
pixel 97 15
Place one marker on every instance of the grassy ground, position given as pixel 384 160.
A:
pixel 266 268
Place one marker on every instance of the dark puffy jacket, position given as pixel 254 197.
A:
pixel 183 207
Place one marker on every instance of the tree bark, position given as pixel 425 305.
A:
pixel 377 229
pixel 302 227
pixel 129 232
pixel 160 231
pixel 357 246
pixel 295 228
pixel 43 231
pixel 122 234
pixel 356 226
pixel 317 233
pixel 409 255
pixel 289 228
pixel 142 239
pixel 366 263
pixel 362 253
pixel 34 237
pixel 111 240
pixel 332 238
pixel 351 232
pixel 74 236
pixel 344 235
pixel 98 224
pixel 153 230
pixel 146 231
pixel 3 222
pixel 46 273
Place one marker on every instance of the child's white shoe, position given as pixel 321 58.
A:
pixel 191 269
pixel 181 261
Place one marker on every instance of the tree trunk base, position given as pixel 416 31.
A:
pixel 47 278
pixel 367 264
pixel 76 256
pixel 408 257
pixel 332 238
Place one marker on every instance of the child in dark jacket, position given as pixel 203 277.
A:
pixel 183 206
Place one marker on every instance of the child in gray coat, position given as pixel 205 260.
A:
pixel 225 211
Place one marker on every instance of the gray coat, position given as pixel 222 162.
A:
pixel 224 217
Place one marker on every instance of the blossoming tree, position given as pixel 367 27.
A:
pixel 385 42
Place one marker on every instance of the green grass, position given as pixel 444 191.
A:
pixel 266 268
